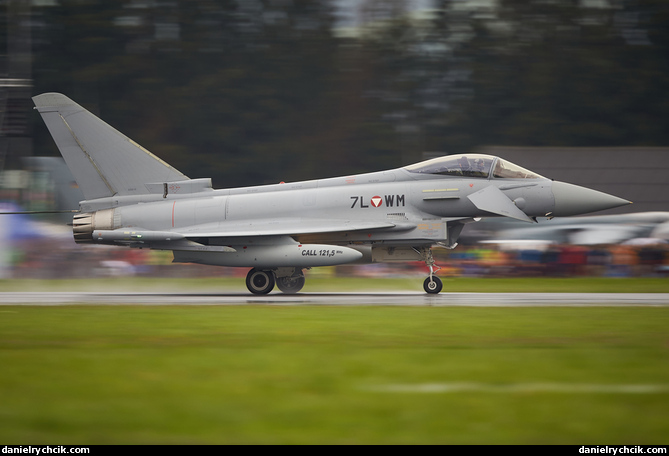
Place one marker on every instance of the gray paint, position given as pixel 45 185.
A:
pixel 135 199
pixel 104 161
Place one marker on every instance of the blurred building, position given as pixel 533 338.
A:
pixel 15 84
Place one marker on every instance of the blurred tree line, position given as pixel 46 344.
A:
pixel 258 91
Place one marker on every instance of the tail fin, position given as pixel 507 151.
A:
pixel 103 161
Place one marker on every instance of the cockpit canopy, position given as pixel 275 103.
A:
pixel 472 165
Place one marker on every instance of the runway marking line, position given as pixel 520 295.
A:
pixel 469 387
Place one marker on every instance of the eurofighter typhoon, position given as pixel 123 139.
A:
pixel 135 199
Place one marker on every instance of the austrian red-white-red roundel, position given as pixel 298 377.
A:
pixel 376 201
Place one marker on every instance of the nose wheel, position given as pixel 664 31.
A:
pixel 433 285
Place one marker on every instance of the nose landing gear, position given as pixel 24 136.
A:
pixel 432 284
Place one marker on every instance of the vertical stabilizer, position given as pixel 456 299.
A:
pixel 103 161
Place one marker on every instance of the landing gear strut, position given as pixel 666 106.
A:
pixel 432 284
pixel 291 284
pixel 260 282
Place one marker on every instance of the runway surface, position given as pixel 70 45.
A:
pixel 351 299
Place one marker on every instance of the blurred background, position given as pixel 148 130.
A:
pixel 252 92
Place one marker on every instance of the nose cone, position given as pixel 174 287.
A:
pixel 574 200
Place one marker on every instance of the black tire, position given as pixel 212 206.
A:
pixel 433 286
pixel 260 282
pixel 290 284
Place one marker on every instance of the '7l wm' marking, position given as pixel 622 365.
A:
pixel 376 201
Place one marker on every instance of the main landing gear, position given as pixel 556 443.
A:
pixel 261 282
pixel 290 285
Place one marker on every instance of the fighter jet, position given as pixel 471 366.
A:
pixel 135 199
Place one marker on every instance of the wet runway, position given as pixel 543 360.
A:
pixel 350 299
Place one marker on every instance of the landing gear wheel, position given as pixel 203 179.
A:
pixel 290 284
pixel 260 282
pixel 433 285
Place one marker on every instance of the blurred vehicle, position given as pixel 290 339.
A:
pixel 589 230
